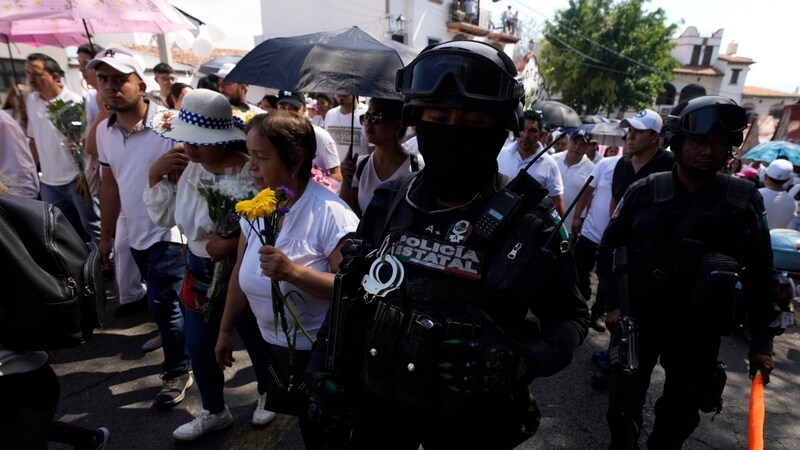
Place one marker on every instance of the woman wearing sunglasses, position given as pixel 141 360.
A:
pixel 388 161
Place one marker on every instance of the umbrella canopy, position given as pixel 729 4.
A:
pixel 557 115
pixel 769 151
pixel 23 20
pixel 608 133
pixel 349 61
pixel 209 67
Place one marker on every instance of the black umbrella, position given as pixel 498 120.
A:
pixel 350 61
pixel 557 115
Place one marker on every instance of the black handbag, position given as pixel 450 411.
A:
pixel 53 295
pixel 286 390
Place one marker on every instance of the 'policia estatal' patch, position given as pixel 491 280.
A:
pixel 447 257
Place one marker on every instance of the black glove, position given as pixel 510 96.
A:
pixel 488 364
pixel 329 407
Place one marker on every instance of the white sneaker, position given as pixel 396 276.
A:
pixel 261 416
pixel 202 424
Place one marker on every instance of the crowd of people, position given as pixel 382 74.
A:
pixel 481 215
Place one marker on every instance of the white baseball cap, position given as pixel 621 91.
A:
pixel 780 170
pixel 120 60
pixel 646 119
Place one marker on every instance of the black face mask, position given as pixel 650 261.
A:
pixel 460 161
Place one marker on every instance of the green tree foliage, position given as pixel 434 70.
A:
pixel 601 54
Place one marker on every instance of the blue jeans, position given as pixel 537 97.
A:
pixel 162 266
pixel 82 216
pixel 201 338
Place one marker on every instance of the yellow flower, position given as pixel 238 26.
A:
pixel 262 205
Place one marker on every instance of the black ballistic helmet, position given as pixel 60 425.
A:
pixel 461 74
pixel 704 115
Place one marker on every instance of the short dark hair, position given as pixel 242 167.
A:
pixel 90 49
pixel 208 82
pixel 162 68
pixel 292 136
pixel 325 97
pixel 50 64
pixel 534 116
pixel 175 92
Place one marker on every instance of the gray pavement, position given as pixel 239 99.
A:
pixel 110 382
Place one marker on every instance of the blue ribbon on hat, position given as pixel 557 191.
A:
pixel 210 122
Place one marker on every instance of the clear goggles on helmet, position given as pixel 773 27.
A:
pixel 475 77
pixel 731 118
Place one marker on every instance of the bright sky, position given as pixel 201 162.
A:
pixel 765 30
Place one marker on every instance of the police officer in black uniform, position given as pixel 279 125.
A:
pixel 694 238
pixel 488 299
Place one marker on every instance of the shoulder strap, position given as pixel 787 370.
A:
pixel 414 163
pixel 399 196
pixel 739 192
pixel 661 186
pixel 361 165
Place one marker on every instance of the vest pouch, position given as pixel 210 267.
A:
pixel 717 289
pixel 514 252
pixel 381 345
pixel 415 362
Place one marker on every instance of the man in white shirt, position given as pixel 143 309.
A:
pixel 127 148
pixel 17 168
pixel 515 156
pixel 341 120
pixel 575 168
pixel 59 181
pixel 327 153
pixel 780 205
pixel 165 77
pixel 594 205
pixel 236 93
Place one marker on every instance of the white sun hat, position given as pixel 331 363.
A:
pixel 205 118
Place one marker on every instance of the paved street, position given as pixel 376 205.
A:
pixel 110 382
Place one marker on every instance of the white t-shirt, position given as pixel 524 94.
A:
pixel 369 180
pixel 311 231
pixel 544 170
pixel 58 167
pixel 92 110
pixel 130 158
pixel 182 205
pixel 338 125
pixel 781 207
pixel 573 177
pixel 599 210
pixel 411 146
pixel 327 152
pixel 17 168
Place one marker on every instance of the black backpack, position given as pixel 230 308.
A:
pixel 52 293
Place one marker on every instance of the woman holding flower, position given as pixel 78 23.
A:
pixel 214 175
pixel 288 281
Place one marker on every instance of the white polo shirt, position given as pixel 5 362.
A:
pixel 600 209
pixel 130 156
pixel 544 170
pixel 573 177
pixel 58 167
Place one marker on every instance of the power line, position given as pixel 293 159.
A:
pixel 530 8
